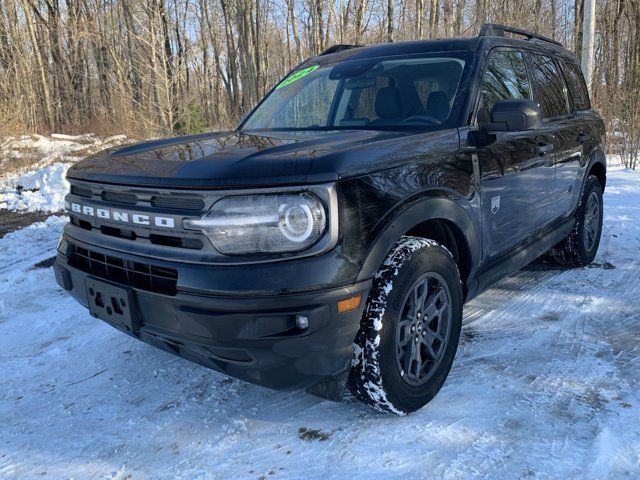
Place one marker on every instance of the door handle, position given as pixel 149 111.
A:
pixel 583 137
pixel 542 148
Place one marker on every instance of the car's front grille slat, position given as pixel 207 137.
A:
pixel 81 191
pixel 178 242
pixel 117 197
pixel 167 201
pixel 127 272
pixel 178 203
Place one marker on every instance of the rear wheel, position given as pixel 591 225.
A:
pixel 410 328
pixel 580 247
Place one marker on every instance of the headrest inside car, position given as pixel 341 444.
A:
pixel 388 103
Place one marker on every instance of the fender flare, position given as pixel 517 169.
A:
pixel 406 216
pixel 597 156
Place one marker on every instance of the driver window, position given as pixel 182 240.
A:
pixel 504 78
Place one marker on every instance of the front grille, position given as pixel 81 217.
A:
pixel 81 191
pixel 80 223
pixel 152 202
pixel 118 232
pixel 165 240
pixel 178 203
pixel 124 272
pixel 166 201
pixel 178 242
pixel 116 197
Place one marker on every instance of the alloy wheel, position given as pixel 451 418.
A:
pixel 423 328
pixel 591 221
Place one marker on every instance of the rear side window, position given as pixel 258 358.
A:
pixel 504 78
pixel 550 87
pixel 577 86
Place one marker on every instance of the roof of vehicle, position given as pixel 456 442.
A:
pixel 491 36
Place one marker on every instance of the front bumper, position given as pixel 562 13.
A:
pixel 250 337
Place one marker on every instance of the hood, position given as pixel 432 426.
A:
pixel 233 159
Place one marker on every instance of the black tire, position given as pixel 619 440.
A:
pixel 378 375
pixel 580 247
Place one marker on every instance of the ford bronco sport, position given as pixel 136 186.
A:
pixel 331 240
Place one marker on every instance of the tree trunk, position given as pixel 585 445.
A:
pixel 447 13
pixel 46 92
pixel 579 19
pixel 434 18
pixel 320 25
pixel 480 14
pixel 588 41
pixel 389 20
pixel 359 20
pixel 420 18
pixel 294 30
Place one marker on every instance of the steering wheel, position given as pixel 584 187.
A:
pixel 422 118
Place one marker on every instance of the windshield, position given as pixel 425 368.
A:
pixel 375 93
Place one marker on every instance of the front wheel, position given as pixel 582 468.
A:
pixel 410 328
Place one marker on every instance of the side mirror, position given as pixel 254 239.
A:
pixel 515 115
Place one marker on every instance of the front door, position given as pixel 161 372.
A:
pixel 516 168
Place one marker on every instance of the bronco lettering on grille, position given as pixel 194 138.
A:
pixel 121 216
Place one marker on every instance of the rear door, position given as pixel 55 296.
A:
pixel 559 124
pixel 582 138
pixel 516 168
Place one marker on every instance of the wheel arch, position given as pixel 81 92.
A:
pixel 449 235
pixel 598 168
pixel 438 218
pixel 595 164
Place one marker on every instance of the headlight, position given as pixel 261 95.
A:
pixel 263 223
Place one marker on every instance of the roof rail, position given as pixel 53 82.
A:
pixel 497 30
pixel 339 48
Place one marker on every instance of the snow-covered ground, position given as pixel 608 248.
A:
pixel 545 385
pixel 36 167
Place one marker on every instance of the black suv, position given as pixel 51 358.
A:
pixel 331 240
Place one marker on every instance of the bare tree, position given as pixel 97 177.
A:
pixel 359 19
pixel 171 66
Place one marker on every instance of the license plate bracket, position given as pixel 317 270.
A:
pixel 113 304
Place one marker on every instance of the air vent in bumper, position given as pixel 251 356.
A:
pixel 124 272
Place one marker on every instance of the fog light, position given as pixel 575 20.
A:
pixel 349 304
pixel 302 322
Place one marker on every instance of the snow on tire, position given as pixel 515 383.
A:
pixel 410 328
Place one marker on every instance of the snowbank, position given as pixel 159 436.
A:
pixel 37 166
pixel 41 190
pixel 55 148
